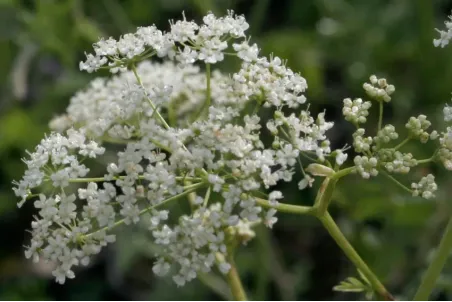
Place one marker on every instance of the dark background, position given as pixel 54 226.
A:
pixel 336 45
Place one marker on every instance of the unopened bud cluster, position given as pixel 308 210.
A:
pixel 383 152
pixel 379 89
pixel 417 127
pixel 356 111
pixel 387 134
pixel 426 187
pixel 366 166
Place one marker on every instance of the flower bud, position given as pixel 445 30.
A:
pixel 320 170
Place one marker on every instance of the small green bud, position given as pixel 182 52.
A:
pixel 320 170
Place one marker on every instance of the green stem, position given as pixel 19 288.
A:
pixel 326 190
pixel 216 284
pixel 208 101
pixel 398 183
pixel 436 266
pixel 380 116
pixel 234 282
pixel 208 92
pixel 324 195
pixel 425 161
pixel 406 140
pixel 189 190
pixel 160 117
pixel 343 172
pixel 207 196
pixel 286 208
pixel 350 252
pixel 100 179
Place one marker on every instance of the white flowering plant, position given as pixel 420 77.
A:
pixel 190 134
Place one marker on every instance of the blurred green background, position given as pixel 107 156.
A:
pixel 336 45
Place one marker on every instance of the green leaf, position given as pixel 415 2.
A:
pixel 350 284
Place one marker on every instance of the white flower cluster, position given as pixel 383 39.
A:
pixel 184 133
pixel 56 159
pixel 269 80
pixel 187 42
pixel 303 132
pixel 197 241
pixel 119 101
pixel 426 187
pixel 445 36
pixel 379 89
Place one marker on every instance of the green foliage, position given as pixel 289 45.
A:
pixel 354 285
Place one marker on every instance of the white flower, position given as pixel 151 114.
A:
pixel 161 268
pixel 305 182
pixel 445 36
pixel 246 52
pixel 270 218
pixel 224 267
pixel 341 157
pixel 274 196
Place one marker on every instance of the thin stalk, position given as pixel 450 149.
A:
pixel 208 92
pixel 425 161
pixel 207 196
pixel 235 284
pixel 286 208
pixel 436 266
pixel 350 252
pixel 160 117
pixel 100 179
pixel 208 101
pixel 406 140
pixel 380 116
pixel 189 190
pixel 343 172
pixel 398 183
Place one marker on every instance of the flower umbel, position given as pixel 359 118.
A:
pixel 178 122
